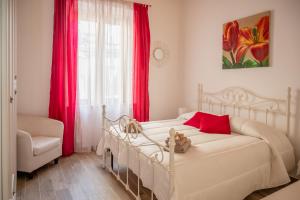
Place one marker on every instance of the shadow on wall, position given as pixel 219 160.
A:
pixel 295 131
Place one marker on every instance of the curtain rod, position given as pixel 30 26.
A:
pixel 149 5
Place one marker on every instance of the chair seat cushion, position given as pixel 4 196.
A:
pixel 42 144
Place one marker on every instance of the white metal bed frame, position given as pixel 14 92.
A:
pixel 234 98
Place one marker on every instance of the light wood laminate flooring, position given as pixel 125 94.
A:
pixel 80 177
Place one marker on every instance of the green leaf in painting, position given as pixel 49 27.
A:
pixel 265 63
pixel 250 63
pixel 254 32
pixel 242 59
pixel 226 63
pixel 238 65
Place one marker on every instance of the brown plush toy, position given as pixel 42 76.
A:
pixel 133 127
pixel 182 143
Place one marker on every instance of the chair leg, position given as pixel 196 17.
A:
pixel 56 161
pixel 29 175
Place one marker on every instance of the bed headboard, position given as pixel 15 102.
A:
pixel 237 101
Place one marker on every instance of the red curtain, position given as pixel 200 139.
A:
pixel 64 69
pixel 141 55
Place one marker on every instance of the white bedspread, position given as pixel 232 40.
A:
pixel 216 167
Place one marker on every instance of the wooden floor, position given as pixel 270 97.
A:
pixel 78 177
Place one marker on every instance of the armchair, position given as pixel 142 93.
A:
pixel 39 141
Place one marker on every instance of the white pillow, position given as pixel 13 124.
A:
pixel 186 116
pixel 236 124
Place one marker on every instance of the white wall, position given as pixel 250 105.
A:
pixel 165 84
pixel 203 20
pixel 35 28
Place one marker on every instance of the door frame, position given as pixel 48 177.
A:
pixel 1 60
pixel 7 102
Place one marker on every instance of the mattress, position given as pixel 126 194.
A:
pixel 217 166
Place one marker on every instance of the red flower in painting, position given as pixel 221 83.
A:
pixel 256 39
pixel 230 36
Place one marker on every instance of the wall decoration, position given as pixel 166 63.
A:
pixel 160 53
pixel 246 42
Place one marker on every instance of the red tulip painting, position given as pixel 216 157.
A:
pixel 246 42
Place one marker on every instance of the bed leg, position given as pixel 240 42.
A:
pixel 112 161
pixel 171 162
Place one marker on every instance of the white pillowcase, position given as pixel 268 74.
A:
pixel 186 116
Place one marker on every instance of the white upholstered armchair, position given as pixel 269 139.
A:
pixel 39 141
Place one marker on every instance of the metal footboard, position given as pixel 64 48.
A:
pixel 116 128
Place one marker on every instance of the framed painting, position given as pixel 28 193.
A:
pixel 246 42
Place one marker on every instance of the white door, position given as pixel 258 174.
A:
pixel 7 100
pixel 12 81
pixel 1 60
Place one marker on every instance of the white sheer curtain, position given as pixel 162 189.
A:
pixel 104 66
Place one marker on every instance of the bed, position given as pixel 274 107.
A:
pixel 255 156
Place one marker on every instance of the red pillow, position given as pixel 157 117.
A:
pixel 214 124
pixel 194 121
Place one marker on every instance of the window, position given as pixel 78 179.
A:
pixel 86 59
pixel 110 64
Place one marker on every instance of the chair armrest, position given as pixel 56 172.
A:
pixel 41 126
pixel 24 143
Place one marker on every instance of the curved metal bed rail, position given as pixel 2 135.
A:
pixel 238 99
pixel 117 128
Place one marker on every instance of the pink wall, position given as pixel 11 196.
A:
pixel 202 50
